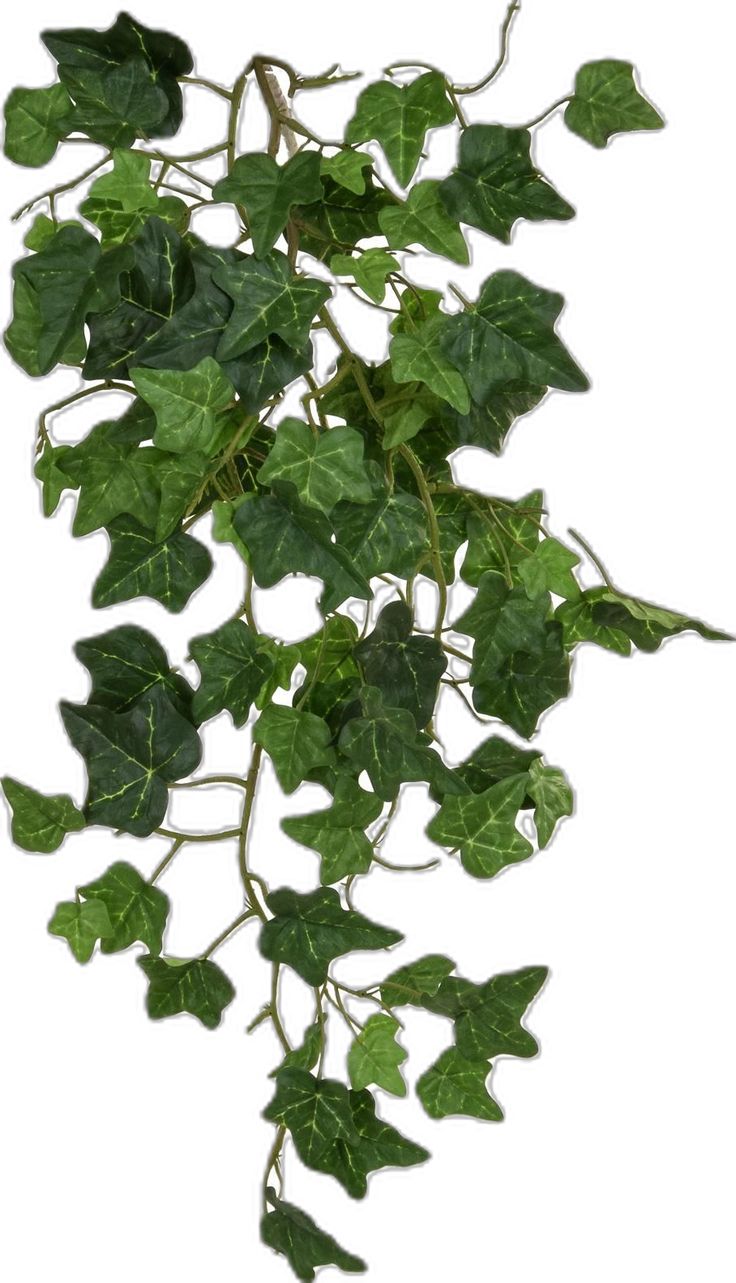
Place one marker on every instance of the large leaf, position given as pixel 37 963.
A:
pixel 195 985
pixel 508 336
pixel 324 467
pixel 502 620
pixel 456 1086
pixel 114 476
pixel 120 201
pixel 268 299
pixel 338 832
pixel 296 742
pixel 418 355
pixel 233 668
pixel 308 931
pixel 379 1145
pixel 487 425
pixel 35 122
pixel 127 662
pixel 423 220
pixel 130 759
pixel 306 1247
pixel 410 984
pixel 283 537
pixel 81 924
pixel 168 570
pixel 482 827
pixel 40 823
pixel 399 117
pixel 641 622
pixel 384 742
pixel 386 536
pixel 267 191
pixel 136 910
pixel 606 101
pixel 116 105
pixel 404 667
pixel 526 684
pixel 375 1056
pixel 488 1016
pixel 187 404
pixel 496 182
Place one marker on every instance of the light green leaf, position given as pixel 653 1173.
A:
pixel 194 985
pixel 40 823
pixel 136 910
pixel 304 1056
pixel 35 122
pixel 114 475
pixel 120 201
pixel 549 569
pixel 409 985
pixel 53 481
pixel 369 270
pixel 268 191
pixel 398 117
pixel 308 931
pixel 338 832
pixel 324 468
pixel 385 743
pixel 186 403
pixel 348 169
pixel 375 1056
pixel 501 536
pixel 553 796
pixel 423 219
pixel 607 101
pixel 296 742
pixel 482 826
pixel 419 356
pixel 81 924
pixel 456 1086
pixel 306 1247
pixel 139 566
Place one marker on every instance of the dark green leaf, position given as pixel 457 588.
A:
pixel 296 742
pixel 268 191
pixel 456 1086
pixel 386 536
pixel 316 1112
pixel 40 823
pixel 195 985
pixel 405 668
pixel 482 827
pixel 375 1056
pixel 307 1054
pixel 379 1145
pixel 606 101
pixel 324 468
pixel 139 566
pixel 488 425
pixel 118 104
pixel 233 669
pixel 341 218
pixel 53 480
pixel 488 1016
pixel 495 760
pixel 136 910
pixel 308 931
pixel 503 621
pixel 35 122
pixel 423 220
pixel 81 925
pixel 398 117
pixel 412 983
pixel 268 299
pixel 338 832
pixel 385 743
pixel 306 1247
pixel 526 684
pixel 127 662
pixel 131 757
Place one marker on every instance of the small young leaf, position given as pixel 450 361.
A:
pixel 549 569
pixel 606 101
pixel 40 823
pixel 194 985
pixel 306 1055
pixel 412 983
pixel 348 168
pixel 120 201
pixel 81 924
pixel 456 1086
pixel 308 931
pixel 369 270
pixel 553 796
pixel 296 742
pixel 375 1056
pixel 136 910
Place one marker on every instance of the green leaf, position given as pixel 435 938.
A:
pixel 306 1247
pixel 338 832
pixel 81 925
pixel 645 623
pixel 114 476
pixel 412 983
pixel 385 743
pixel 56 289
pixel 580 624
pixel 324 468
pixel 268 191
pixel 509 335
pixel 501 536
pixel 233 669
pixel 386 536
pixel 315 1111
pixel 268 299
pixel 553 796
pixel 398 117
pixel 116 105
pixel 136 910
pixel 456 1086
pixel 40 823
pixel 130 759
pixel 35 122
pixel 195 985
pixel 53 480
pixel 379 1145
pixel 341 218
pixel 283 537
pixel 495 760
pixel 23 335
pixel 488 1016
pixel 186 404
pixel 503 621
pixel 125 663
pixel 422 219
pixel 549 569
pixel 488 425
pixel 482 826
pixel 369 270
pixel 419 356
pixel 120 201
pixel 348 169
pixel 140 566
pixel 526 684
pixel 405 668
pixel 375 1056
pixel 296 742
pixel 607 101
pixel 308 931
pixel 306 1055
pixel 496 183
pixel 42 230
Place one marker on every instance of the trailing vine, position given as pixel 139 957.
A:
pixel 318 465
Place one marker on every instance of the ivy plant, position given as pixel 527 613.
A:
pixel 310 460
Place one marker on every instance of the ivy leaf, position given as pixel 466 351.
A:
pixel 186 404
pixel 315 1111
pixel 81 925
pixel 580 624
pixel 338 832
pixel 195 985
pixel 40 823
pixel 307 932
pixel 526 684
pixel 306 1247
pixel 267 368
pixel 283 536
pixel 130 758
pixel 422 219
pixel 379 1145
pixel 456 1086
pixel 384 742
pixel 496 183
pixel 120 201
pixel 398 117
pixel 375 1056
pixel 304 1056
pixel 553 796
pixel 324 468
pixel 125 663
pixel 509 335
pixel 488 1016
pixel 140 566
pixel 53 480
pixel 35 122
pixel 268 191
pixel 495 760
pixel 487 425
pixel 501 537
pixel 503 621
pixel 369 270
pixel 136 910
pixel 646 624
pixel 341 218
pixel 412 983
pixel 195 316
pixel 42 230
pixel 419 356
pixel 268 299
pixel 296 742
pixel 405 668
pixel 549 569
pixel 482 826
pixel 233 669
pixel 23 335
pixel 386 536
pixel 118 104
pixel 348 169
pixel 114 476
pixel 607 101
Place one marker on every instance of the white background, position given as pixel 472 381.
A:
pixel 134 1150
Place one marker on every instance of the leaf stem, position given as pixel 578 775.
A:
pixel 274 1008
pixel 595 559
pixel 272 1162
pixel 225 935
pixel 222 836
pixel 236 98
pixel 63 187
pixel 543 116
pixel 164 864
pixel 210 779
pixel 409 456
pixel 503 54
pixel 251 783
pixel 207 84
